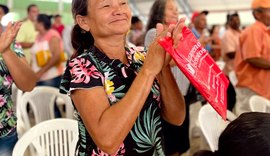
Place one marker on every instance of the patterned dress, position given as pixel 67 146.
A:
pixel 8 118
pixel 93 68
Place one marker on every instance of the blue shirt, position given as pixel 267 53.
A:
pixel 196 33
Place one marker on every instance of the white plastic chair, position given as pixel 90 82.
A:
pixel 233 78
pixel 259 104
pixel 42 100
pixel 16 96
pixel 221 64
pixel 56 137
pixel 212 125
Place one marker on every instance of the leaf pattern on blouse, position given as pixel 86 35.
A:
pixel 83 70
pixel 93 68
pixel 8 119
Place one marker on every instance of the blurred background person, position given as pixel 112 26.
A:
pixel 48 40
pixel 229 46
pixel 215 42
pixel 27 33
pixel 58 25
pixel 252 61
pixel 135 36
pixel 230 41
pixel 200 30
pixel 176 137
pixel 13 69
pixel 3 11
pixel 49 43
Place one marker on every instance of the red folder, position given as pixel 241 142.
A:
pixel 201 70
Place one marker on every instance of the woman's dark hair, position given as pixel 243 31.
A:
pixel 156 14
pixel 135 19
pixel 248 135
pixel 80 38
pixel 211 31
pixel 45 20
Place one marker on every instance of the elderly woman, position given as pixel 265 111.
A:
pixel 121 93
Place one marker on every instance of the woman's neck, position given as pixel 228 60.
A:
pixel 43 32
pixel 113 47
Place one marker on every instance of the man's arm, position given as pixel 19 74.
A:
pixel 259 63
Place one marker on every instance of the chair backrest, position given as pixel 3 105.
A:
pixel 221 64
pixel 259 104
pixel 212 124
pixel 42 100
pixel 56 137
pixel 16 96
pixel 233 78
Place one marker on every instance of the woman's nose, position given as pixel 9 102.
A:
pixel 117 9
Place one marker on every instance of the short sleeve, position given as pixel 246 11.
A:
pixel 52 33
pixel 80 73
pixel 252 43
pixel 21 37
pixel 228 44
pixel 17 48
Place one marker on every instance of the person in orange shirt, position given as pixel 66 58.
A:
pixel 252 63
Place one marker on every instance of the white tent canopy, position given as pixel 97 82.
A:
pixel 218 9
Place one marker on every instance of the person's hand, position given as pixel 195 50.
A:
pixel 156 56
pixel 8 36
pixel 204 40
pixel 177 35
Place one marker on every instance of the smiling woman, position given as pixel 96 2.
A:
pixel 119 101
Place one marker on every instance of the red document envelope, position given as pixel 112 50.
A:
pixel 201 70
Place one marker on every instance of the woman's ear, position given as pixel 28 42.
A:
pixel 82 21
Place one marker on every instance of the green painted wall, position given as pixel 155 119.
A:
pixel 51 8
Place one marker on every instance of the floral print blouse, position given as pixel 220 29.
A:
pixel 93 68
pixel 8 118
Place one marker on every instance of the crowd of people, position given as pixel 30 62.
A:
pixel 143 98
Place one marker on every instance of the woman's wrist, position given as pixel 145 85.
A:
pixel 164 72
pixel 147 73
pixel 165 69
pixel 5 51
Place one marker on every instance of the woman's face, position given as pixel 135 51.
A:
pixel 171 12
pixel 108 17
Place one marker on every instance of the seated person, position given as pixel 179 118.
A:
pixel 248 135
